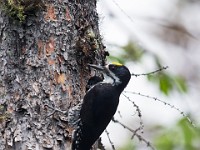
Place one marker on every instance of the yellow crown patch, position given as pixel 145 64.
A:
pixel 117 63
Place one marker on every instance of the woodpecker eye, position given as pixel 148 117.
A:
pixel 112 67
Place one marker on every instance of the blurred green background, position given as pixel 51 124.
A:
pixel 146 35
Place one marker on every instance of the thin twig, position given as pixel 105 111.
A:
pixel 123 11
pixel 165 103
pixel 140 138
pixel 138 111
pixel 149 73
pixel 111 143
pixel 120 115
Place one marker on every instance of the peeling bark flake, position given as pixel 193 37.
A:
pixel 60 78
pixel 50 15
pixel 40 48
pixel 50 46
pixel 51 61
pixel 68 16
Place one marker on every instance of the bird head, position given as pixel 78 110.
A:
pixel 115 74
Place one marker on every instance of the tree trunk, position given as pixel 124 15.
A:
pixel 43 61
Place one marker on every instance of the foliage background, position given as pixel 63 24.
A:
pixel 146 35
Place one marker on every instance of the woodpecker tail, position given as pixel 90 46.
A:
pixel 79 142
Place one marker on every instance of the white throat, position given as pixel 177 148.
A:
pixel 115 80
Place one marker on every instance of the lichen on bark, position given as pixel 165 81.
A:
pixel 20 9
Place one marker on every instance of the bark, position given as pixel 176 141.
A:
pixel 43 61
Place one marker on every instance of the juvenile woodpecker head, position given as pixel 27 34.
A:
pixel 115 74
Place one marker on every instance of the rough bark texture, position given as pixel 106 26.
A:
pixel 43 61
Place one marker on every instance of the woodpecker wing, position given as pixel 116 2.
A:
pixel 99 106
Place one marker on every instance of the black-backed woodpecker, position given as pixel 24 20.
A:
pixel 99 105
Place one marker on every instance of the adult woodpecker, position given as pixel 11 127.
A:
pixel 99 105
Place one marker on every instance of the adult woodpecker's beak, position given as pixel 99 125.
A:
pixel 100 68
pixel 103 69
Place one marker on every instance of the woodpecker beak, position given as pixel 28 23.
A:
pixel 100 68
pixel 103 69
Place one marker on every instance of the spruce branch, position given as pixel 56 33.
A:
pixel 149 73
